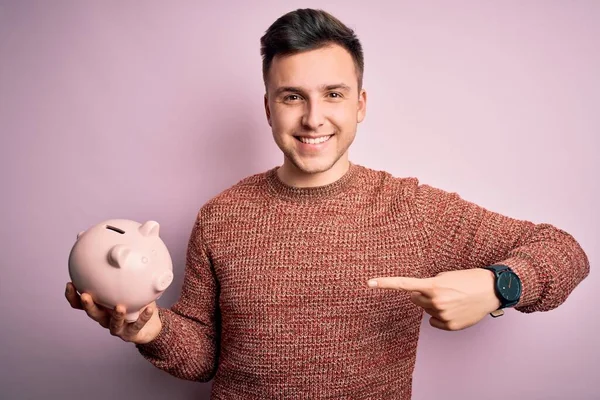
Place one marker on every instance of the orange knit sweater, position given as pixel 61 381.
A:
pixel 275 303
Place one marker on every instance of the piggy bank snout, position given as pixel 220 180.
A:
pixel 163 280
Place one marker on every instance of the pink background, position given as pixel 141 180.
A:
pixel 144 110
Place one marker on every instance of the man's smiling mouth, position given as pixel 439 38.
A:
pixel 313 140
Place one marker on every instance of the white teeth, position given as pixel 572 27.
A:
pixel 314 141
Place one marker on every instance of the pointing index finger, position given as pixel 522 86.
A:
pixel 425 286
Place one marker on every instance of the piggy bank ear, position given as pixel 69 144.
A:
pixel 117 256
pixel 149 228
pixel 79 234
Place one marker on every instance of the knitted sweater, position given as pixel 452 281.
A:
pixel 275 302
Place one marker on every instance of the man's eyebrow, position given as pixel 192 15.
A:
pixel 341 86
pixel 294 89
pixel 284 89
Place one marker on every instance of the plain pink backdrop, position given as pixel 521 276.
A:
pixel 145 110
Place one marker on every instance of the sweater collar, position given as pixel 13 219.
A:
pixel 281 190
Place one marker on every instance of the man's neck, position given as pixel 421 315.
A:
pixel 292 176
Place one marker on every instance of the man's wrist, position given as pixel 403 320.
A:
pixel 495 303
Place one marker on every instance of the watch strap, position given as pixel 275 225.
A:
pixel 497 268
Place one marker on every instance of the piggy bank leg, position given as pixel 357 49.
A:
pixel 132 317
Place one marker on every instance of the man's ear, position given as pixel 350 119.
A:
pixel 362 106
pixel 267 110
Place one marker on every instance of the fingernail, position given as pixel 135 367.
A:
pixel 372 283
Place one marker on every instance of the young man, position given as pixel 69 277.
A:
pixel 276 301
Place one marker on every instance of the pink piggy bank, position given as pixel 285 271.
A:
pixel 121 262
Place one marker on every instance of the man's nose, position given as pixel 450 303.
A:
pixel 314 116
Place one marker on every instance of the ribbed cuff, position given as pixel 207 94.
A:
pixel 530 282
pixel 159 346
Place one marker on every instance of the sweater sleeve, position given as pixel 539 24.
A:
pixel 463 235
pixel 187 345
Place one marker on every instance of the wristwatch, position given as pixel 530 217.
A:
pixel 507 286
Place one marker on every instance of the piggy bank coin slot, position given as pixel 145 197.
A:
pixel 113 228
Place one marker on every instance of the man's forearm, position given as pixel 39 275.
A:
pixel 185 348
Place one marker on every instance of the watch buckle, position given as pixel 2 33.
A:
pixel 497 313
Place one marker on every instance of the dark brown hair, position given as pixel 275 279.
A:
pixel 308 29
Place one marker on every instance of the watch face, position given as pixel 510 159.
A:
pixel 509 286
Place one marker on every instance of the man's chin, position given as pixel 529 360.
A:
pixel 315 165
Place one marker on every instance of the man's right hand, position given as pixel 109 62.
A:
pixel 144 330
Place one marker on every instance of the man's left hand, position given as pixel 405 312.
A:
pixel 455 299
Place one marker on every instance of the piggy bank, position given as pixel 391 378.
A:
pixel 121 261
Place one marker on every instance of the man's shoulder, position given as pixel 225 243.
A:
pixel 246 193
pixel 398 191
pixel 421 193
pixel 250 185
pixel 383 181
pixel 401 193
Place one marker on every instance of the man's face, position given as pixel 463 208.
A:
pixel 313 107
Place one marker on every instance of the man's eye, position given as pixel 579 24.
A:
pixel 291 97
pixel 335 95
